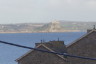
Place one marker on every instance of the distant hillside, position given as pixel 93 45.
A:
pixel 77 25
pixel 20 28
pixel 67 26
pixel 55 26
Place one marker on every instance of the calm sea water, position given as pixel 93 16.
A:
pixel 8 54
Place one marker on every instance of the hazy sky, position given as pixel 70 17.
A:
pixel 20 11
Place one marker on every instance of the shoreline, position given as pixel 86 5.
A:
pixel 39 32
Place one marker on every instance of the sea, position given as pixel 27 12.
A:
pixel 8 53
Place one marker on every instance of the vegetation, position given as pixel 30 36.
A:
pixel 46 27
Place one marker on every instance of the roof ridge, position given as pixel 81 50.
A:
pixel 80 38
pixel 53 51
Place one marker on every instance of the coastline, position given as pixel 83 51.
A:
pixel 46 31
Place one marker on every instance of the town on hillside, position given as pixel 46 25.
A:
pixel 54 26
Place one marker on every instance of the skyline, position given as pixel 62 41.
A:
pixel 41 11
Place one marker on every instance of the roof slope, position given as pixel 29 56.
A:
pixel 84 36
pixel 38 47
pixel 57 46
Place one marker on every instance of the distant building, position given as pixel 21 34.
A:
pixel 84 46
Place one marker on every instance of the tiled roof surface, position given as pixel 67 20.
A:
pixel 57 46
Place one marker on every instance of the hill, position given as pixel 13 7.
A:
pixel 55 26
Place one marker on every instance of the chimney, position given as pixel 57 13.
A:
pixel 57 42
pixel 51 42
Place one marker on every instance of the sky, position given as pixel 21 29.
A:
pixel 38 11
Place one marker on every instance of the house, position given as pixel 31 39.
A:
pixel 84 46
pixel 37 57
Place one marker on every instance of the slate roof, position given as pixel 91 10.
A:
pixel 84 36
pixel 53 46
pixel 57 46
